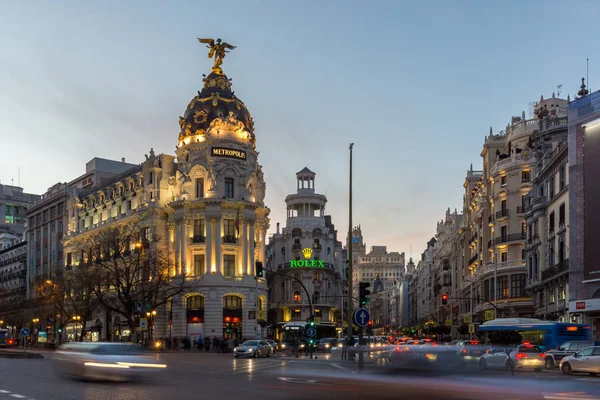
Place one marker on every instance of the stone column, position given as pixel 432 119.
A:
pixel 218 255
pixel 251 246
pixel 209 239
pixel 244 239
pixel 184 240
pixel 177 247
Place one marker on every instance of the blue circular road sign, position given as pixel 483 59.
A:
pixel 361 317
pixel 25 332
pixel 312 332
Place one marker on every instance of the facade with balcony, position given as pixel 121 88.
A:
pixel 13 280
pixel 547 208
pixel 306 261
pixel 203 207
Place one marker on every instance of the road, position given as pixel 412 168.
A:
pixel 214 376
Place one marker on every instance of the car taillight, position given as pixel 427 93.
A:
pixel 521 355
pixel 10 341
pixel 543 355
pixel 464 351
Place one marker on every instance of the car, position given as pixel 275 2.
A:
pixel 526 356
pixel 495 358
pixel 470 351
pixel 586 360
pixel 253 348
pixel 110 361
pixel 326 344
pixel 273 344
pixel 554 356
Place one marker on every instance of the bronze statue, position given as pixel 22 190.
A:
pixel 218 50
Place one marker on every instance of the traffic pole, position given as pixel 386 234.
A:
pixel 349 307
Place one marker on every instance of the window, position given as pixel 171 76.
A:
pixel 561 248
pixel 317 276
pixel 504 234
pixel 562 293
pixel 232 302
pixel 316 298
pixel 199 188
pixel 198 231
pixel 551 252
pixel 551 188
pixel 517 285
pixel 525 176
pixel 229 228
pixel 522 253
pixel 69 258
pixel 503 206
pixel 229 188
pixel 297 296
pixel 530 232
pixel 502 287
pixel 503 181
pixel 551 222
pixel 551 296
pixel 486 290
pixel 523 203
pixel 199 264
pixel 229 265
pixel 504 256
pixel 296 314
pixel 150 178
pixel 561 215
pixel 195 303
pixel 146 235
pixel 562 181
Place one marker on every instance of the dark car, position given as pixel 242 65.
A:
pixel 553 357
pixel 326 344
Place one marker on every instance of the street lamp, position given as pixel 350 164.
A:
pixel 76 318
pixel 151 315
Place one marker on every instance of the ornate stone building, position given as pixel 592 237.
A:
pixel 13 278
pixel 306 249
pixel 204 207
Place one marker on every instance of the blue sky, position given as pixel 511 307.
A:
pixel 415 85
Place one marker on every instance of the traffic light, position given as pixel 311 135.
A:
pixel 259 269
pixel 444 299
pixel 364 292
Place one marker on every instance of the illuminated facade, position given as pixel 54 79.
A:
pixel 13 278
pixel 307 250
pixel 205 208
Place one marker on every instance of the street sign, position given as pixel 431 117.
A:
pixel 471 328
pixel 24 331
pixel 361 317
pixel 143 324
pixel 311 332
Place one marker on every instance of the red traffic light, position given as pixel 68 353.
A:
pixel 444 299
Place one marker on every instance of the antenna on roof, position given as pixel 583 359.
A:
pixel 558 91
pixel 587 75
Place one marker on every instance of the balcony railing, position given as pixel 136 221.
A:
pixel 233 278
pixel 502 213
pixel 555 269
pixel 510 238
pixel 198 239
pixel 229 239
pixel 297 246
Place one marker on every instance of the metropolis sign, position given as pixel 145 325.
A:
pixel 307 263
pixel 228 153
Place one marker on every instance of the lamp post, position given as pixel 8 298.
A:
pixel 151 316
pixel 76 318
pixel 35 322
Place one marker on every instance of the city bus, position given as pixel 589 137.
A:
pixel 545 334
pixel 6 338
pixel 297 330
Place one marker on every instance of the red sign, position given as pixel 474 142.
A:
pixel 580 305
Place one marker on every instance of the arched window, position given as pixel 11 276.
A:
pixel 260 304
pixel 297 233
pixel 316 297
pixel 232 302
pixel 195 302
pixel 297 296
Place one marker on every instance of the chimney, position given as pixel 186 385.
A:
pixel 278 228
pixel 123 159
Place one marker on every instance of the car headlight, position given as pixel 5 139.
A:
pixel 301 346
pixel 249 350
pixel 283 346
pixel 235 349
pixel 326 346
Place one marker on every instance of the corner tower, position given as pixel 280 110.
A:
pixel 217 217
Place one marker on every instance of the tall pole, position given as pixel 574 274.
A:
pixel 349 279
pixel 495 284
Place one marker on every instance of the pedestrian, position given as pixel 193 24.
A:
pixel 216 344
pixel 207 344
pixel 194 344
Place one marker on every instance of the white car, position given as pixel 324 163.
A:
pixel 587 361
pixel 253 348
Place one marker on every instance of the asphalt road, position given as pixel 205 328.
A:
pixel 214 376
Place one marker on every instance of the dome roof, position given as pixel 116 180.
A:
pixel 216 100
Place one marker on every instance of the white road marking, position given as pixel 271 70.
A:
pixel 340 367
pixel 4 391
pixel 18 396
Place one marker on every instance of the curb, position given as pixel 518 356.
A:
pixel 20 355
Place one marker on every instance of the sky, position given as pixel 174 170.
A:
pixel 415 86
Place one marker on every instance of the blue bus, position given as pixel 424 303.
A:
pixel 6 339
pixel 545 334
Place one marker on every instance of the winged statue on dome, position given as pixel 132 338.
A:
pixel 218 51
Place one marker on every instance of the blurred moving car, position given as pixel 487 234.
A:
pixel 554 356
pixel 495 358
pixel 326 344
pixel 526 356
pixel 424 357
pixel 470 351
pixel 253 348
pixel 6 339
pixel 105 361
pixel 587 360
pixel 273 344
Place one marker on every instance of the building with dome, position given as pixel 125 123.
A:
pixel 305 256
pixel 204 207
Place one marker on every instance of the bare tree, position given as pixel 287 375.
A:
pixel 73 296
pixel 134 270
